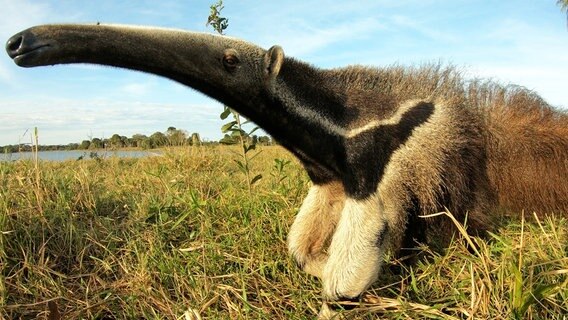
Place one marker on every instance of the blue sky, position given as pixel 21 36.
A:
pixel 522 41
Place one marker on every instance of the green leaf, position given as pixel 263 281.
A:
pixel 237 133
pixel 227 140
pixel 255 179
pixel 226 112
pixel 538 294
pixel 181 219
pixel 228 126
pixel 413 282
pixel 516 287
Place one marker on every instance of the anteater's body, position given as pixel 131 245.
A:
pixel 382 146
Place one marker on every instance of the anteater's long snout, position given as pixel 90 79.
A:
pixel 133 47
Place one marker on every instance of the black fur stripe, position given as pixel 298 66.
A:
pixel 368 153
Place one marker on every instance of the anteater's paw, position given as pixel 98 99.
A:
pixel 343 281
pixel 348 272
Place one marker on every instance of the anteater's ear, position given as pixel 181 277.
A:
pixel 273 60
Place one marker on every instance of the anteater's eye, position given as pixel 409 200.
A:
pixel 230 61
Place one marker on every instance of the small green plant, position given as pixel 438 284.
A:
pixel 280 168
pixel 38 187
pixel 246 144
pixel 215 20
pixel 234 130
pixel 280 175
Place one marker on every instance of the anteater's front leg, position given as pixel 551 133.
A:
pixel 314 225
pixel 356 250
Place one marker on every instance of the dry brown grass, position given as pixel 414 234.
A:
pixel 179 237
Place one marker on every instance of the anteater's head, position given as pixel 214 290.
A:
pixel 227 69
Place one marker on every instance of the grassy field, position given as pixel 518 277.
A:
pixel 180 237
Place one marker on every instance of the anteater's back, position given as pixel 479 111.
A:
pixel 526 138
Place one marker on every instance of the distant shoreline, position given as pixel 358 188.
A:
pixel 51 148
pixel 64 155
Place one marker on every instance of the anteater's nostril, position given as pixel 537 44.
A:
pixel 14 44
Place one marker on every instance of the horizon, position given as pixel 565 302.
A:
pixel 511 42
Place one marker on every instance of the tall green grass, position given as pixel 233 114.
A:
pixel 180 237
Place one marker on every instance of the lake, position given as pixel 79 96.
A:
pixel 76 154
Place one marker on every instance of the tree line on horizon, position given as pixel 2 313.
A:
pixel 172 137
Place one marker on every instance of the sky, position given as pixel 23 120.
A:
pixel 522 42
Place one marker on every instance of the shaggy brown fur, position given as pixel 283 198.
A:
pixel 527 147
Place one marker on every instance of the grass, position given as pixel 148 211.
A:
pixel 180 237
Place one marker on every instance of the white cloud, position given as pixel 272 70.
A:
pixel 16 16
pixel 522 53
pixel 305 27
pixel 4 73
pixel 137 89
pixel 308 39
pixel 419 27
